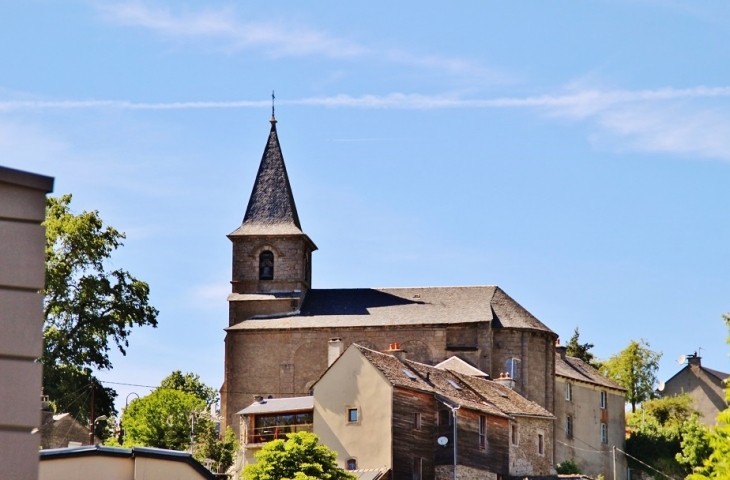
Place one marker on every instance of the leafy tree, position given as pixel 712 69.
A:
pixel 695 445
pixel 299 457
pixel 634 368
pixel 190 383
pixel 568 467
pixel 161 419
pixel 581 350
pixel 220 450
pixel 88 309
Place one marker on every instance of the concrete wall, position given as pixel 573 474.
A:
pixel 706 390
pixel 108 467
pixel 353 382
pixel 22 256
pixel 585 447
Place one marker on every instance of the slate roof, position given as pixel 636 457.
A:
pixel 577 369
pixel 271 209
pixel 716 373
pixel 403 306
pixel 472 392
pixel 278 405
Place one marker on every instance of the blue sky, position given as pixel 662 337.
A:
pixel 576 154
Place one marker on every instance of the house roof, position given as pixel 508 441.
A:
pixel 369 473
pixel 716 373
pixel 455 364
pixel 279 405
pixel 576 369
pixel 403 306
pixel 271 209
pixel 104 451
pixel 470 392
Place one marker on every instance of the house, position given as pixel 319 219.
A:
pixel 590 417
pixel 112 463
pixel 22 255
pixel 705 385
pixel 279 325
pixel 383 411
pixel 59 430
pixel 271 419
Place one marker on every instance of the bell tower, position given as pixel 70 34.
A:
pixel 272 256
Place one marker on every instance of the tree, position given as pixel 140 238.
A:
pixel 634 368
pixel 165 419
pixel 300 457
pixel 88 309
pixel 575 349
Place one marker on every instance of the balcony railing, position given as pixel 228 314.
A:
pixel 267 434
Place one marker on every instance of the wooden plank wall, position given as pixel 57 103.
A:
pixel 496 456
pixel 409 442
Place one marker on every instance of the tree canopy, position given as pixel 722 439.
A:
pixel 299 457
pixel 581 350
pixel 190 383
pixel 634 368
pixel 88 308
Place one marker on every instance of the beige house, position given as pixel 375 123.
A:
pixel 590 418
pixel 22 254
pixel 705 385
pixel 110 463
pixel 382 411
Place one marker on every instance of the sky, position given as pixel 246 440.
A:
pixel 575 154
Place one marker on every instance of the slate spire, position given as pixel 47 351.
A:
pixel 271 208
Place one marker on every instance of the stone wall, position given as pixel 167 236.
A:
pixel 291 254
pixel 525 458
pixel 446 472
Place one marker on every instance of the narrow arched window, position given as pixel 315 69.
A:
pixel 351 464
pixel 513 368
pixel 266 265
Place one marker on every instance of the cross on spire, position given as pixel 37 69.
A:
pixel 273 97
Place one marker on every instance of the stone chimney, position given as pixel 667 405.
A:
pixel 505 380
pixel 693 359
pixel 335 347
pixel 560 350
pixel 395 350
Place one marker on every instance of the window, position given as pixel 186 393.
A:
pixel 513 368
pixel 568 426
pixel 568 392
pixel 453 384
pixel 417 421
pixel 444 417
pixel 351 464
pixel 604 434
pixel 482 432
pixel 266 265
pixel 514 434
pixel 353 415
pixel 417 468
pixel 604 400
pixel 541 443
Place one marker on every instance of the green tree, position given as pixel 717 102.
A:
pixel 581 350
pixel 634 368
pixel 299 457
pixel 88 309
pixel 190 383
pixel 695 445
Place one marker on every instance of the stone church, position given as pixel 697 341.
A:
pixel 279 326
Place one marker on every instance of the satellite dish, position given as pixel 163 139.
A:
pixel 442 441
pixel 661 386
pixel 681 359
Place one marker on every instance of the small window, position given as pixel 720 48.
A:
pixel 568 392
pixel 604 400
pixel 513 368
pixel 514 434
pixel 541 444
pixel 353 415
pixel 409 374
pixel 453 384
pixel 417 421
pixel 351 464
pixel 604 434
pixel 444 417
pixel 417 468
pixel 266 265
pixel 568 426
pixel 482 432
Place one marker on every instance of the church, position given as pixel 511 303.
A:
pixel 279 326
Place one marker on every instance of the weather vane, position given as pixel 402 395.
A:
pixel 272 103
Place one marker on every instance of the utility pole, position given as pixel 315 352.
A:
pixel 92 419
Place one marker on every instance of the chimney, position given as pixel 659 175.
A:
pixel 334 350
pixel 693 359
pixel 505 380
pixel 395 350
pixel 560 350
